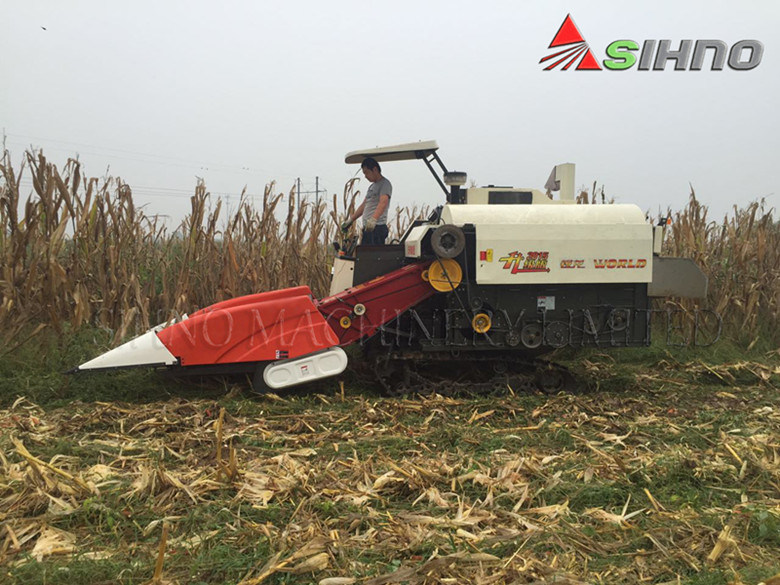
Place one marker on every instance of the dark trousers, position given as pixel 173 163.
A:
pixel 376 237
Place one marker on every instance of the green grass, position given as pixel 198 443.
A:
pixel 80 572
pixel 37 370
pixel 651 425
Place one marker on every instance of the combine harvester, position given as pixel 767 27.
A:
pixel 493 279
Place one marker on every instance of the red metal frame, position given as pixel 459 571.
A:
pixel 262 327
pixel 288 323
pixel 384 299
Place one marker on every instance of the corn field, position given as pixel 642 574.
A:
pixel 741 257
pixel 80 252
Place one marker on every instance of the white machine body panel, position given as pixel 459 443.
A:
pixel 413 242
pixel 482 196
pixel 658 239
pixel 342 275
pixel 558 244
pixel 315 366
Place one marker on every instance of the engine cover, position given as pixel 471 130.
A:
pixel 557 244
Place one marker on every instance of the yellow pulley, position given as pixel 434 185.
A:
pixel 445 274
pixel 481 323
pixel 345 322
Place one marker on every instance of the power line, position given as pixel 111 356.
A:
pixel 133 159
pixel 162 191
pixel 149 157
pixel 180 162
pixel 132 152
pixel 178 192
pixel 316 190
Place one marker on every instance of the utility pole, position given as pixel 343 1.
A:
pixel 316 190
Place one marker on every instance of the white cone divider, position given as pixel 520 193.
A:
pixel 144 350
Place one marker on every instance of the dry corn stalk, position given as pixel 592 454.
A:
pixel 81 253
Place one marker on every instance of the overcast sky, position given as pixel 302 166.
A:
pixel 242 93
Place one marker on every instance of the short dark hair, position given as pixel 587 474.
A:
pixel 370 164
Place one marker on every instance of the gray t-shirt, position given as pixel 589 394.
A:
pixel 375 190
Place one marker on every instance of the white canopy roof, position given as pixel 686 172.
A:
pixel 409 151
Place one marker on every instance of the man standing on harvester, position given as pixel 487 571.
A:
pixel 374 208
